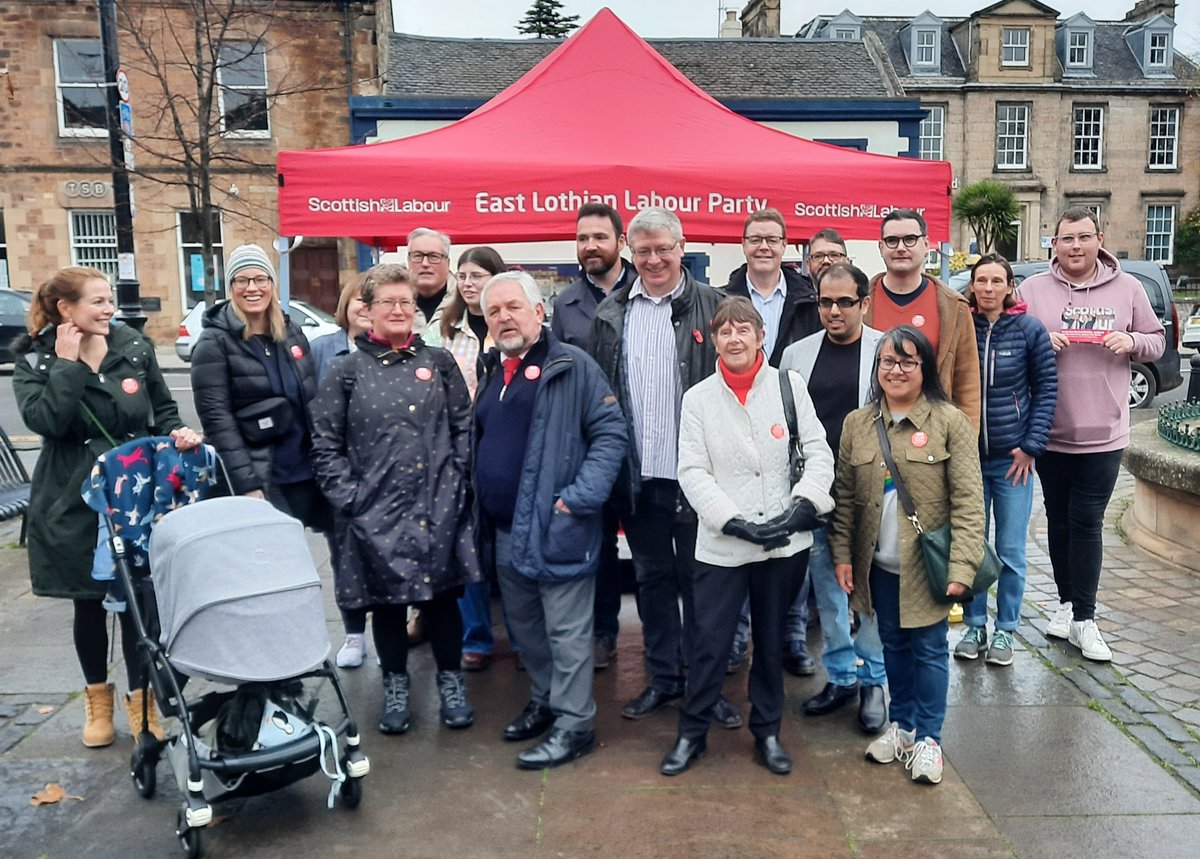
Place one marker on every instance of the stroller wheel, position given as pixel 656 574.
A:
pixel 143 768
pixel 189 838
pixel 352 792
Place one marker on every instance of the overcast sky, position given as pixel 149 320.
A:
pixel 664 18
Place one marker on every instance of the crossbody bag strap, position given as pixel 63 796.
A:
pixel 789 413
pixel 906 501
pixel 91 415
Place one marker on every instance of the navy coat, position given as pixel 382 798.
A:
pixel 1020 383
pixel 577 442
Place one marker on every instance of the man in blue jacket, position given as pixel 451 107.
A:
pixel 550 439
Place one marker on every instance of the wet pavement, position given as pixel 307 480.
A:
pixel 1050 757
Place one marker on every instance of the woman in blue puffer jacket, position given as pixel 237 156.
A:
pixel 1020 389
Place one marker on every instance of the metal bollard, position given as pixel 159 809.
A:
pixel 1193 392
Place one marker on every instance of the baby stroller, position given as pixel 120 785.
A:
pixel 227 593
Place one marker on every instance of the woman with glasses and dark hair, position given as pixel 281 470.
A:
pixel 459 327
pixel 1020 389
pixel 391 450
pixel 756 517
pixel 877 558
pixel 252 379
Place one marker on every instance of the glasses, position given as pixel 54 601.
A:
pixel 843 303
pixel 390 304
pixel 419 257
pixel 1082 239
pixel 907 365
pixel 261 281
pixel 473 277
pixel 831 256
pixel 646 253
pixel 769 241
pixel 894 241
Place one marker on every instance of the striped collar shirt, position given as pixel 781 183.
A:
pixel 770 309
pixel 655 390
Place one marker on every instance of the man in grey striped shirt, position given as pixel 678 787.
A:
pixel 651 338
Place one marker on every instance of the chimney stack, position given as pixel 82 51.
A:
pixel 1144 10
pixel 731 28
pixel 761 18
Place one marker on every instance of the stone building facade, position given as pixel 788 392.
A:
pixel 289 68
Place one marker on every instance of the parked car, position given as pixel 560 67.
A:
pixel 13 307
pixel 1146 381
pixel 313 321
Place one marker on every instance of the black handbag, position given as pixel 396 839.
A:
pixel 265 421
pixel 935 545
pixel 795 450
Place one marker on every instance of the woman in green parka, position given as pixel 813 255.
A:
pixel 82 383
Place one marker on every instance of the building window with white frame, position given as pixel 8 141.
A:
pixel 1079 49
pixel 1160 233
pixel 242 79
pixel 845 34
pixel 94 240
pixel 1159 51
pixel 1012 136
pixel 191 258
pixel 933 133
pixel 1088 143
pixel 1014 47
pixel 79 88
pixel 926 48
pixel 1164 138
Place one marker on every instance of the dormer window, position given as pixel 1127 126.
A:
pixel 1150 43
pixel 845 34
pixel 1014 47
pixel 921 39
pixel 926 48
pixel 1158 51
pixel 1079 49
pixel 846 27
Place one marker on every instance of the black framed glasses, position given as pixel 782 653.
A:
pixel 432 257
pixel 843 303
pixel 775 242
pixel 909 241
pixel 906 365
pixel 831 256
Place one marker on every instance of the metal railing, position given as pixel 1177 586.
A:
pixel 1179 423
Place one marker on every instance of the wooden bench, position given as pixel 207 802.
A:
pixel 14 484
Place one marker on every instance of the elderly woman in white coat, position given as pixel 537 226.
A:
pixel 755 525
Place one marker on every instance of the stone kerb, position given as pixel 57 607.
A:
pixel 1166 498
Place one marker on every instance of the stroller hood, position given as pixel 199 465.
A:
pixel 238 594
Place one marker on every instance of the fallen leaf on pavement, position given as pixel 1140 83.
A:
pixel 52 793
pixel 44 710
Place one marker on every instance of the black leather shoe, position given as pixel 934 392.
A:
pixel 772 756
pixel 723 714
pixel 830 698
pixel 685 753
pixel 872 710
pixel 649 703
pixel 559 748
pixel 532 722
pixel 799 664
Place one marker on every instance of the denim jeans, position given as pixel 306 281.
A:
pixel 476 607
pixel 917 661
pixel 1077 487
pixel 842 652
pixel 1010 507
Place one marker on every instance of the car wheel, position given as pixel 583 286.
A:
pixel 1142 387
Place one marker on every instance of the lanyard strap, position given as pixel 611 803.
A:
pixel 906 501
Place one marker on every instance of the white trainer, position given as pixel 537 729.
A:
pixel 892 744
pixel 1060 624
pixel 925 762
pixel 1084 635
pixel 350 654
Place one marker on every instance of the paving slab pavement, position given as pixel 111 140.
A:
pixel 1051 757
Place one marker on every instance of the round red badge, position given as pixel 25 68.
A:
pixel 919 321
pixel 777 430
pixel 919 439
pixel 424 374
pixel 130 385
pixel 533 372
pixel 297 352
pixel 697 336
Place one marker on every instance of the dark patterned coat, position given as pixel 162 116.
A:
pixel 391 451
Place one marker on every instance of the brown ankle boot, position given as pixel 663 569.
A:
pixel 98 707
pixel 133 712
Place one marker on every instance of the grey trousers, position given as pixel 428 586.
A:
pixel 553 622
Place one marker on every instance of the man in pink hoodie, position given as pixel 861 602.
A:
pixel 1091 423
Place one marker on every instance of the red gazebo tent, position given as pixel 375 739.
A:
pixel 604 116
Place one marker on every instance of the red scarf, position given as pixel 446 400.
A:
pixel 740 383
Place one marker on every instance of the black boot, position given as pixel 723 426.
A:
pixel 396 717
pixel 452 689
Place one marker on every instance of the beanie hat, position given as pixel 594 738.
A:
pixel 248 256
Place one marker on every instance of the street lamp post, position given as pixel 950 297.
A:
pixel 129 303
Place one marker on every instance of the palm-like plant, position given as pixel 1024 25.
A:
pixel 989 208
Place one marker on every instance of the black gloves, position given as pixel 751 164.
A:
pixel 802 517
pixel 752 533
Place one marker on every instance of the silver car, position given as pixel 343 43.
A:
pixel 313 321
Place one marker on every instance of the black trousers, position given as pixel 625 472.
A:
pixel 772 586
pixel 443 628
